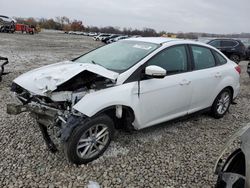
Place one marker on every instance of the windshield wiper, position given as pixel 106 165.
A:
pixel 92 61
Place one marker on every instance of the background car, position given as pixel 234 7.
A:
pixel 133 83
pixel 100 36
pixel 105 40
pixel 233 49
pixel 7 25
pixel 117 39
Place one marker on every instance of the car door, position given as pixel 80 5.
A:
pixel 205 78
pixel 167 98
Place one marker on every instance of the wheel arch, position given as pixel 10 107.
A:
pixel 235 163
pixel 125 121
pixel 231 90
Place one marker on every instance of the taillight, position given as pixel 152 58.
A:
pixel 238 69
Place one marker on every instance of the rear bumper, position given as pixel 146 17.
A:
pixel 236 91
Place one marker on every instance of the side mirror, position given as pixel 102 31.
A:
pixel 154 71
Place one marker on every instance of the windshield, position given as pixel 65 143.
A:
pixel 118 56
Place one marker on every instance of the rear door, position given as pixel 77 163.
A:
pixel 205 77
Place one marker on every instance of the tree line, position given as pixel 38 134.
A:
pixel 65 24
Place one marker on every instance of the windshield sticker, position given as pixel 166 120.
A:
pixel 143 47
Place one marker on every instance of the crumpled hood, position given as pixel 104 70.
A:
pixel 47 78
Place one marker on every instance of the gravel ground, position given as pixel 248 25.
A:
pixel 179 154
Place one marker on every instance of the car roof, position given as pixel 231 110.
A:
pixel 224 39
pixel 164 40
pixel 156 40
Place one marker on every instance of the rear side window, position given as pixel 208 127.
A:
pixel 221 60
pixel 173 59
pixel 228 43
pixel 203 57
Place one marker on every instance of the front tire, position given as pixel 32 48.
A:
pixel 221 103
pixel 89 140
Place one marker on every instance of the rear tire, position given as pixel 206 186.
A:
pixel 221 103
pixel 89 140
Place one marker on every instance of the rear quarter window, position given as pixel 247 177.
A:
pixel 220 59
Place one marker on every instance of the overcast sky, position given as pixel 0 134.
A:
pixel 212 16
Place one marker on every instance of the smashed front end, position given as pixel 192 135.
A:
pixel 51 104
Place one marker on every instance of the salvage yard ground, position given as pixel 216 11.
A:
pixel 180 154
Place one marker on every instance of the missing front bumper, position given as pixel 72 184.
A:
pixel 15 109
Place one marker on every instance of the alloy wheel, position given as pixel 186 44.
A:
pixel 93 141
pixel 223 103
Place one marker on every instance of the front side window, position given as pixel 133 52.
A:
pixel 173 59
pixel 203 57
pixel 119 56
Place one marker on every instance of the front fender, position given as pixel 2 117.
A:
pixel 96 101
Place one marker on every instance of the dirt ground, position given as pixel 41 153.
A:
pixel 180 154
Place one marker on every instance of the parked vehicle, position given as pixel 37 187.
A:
pixel 133 84
pixel 116 39
pixel 2 64
pixel 105 40
pixel 7 25
pixel 100 36
pixel 92 34
pixel 233 49
pixel 235 170
pixel 25 28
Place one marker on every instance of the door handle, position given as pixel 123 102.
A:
pixel 185 82
pixel 218 75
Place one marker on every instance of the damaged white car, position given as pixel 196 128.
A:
pixel 133 84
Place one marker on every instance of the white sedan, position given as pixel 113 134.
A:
pixel 133 84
